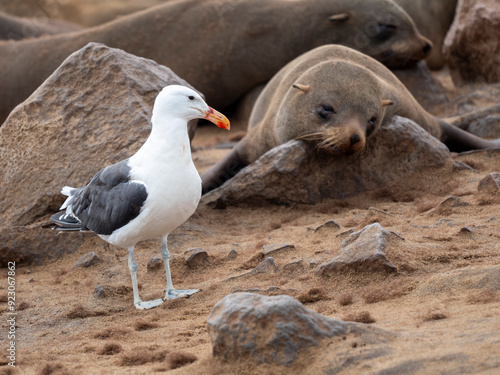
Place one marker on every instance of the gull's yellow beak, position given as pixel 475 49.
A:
pixel 217 118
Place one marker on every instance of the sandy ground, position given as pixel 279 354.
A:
pixel 64 328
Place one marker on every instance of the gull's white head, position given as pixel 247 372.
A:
pixel 175 101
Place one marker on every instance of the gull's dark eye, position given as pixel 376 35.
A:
pixel 191 97
pixel 385 31
pixel 325 110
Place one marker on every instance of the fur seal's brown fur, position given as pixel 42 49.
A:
pixel 433 19
pixel 335 97
pixel 17 28
pixel 223 47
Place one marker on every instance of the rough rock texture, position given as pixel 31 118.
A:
pixel 70 128
pixel 34 244
pixel 361 251
pixel 490 184
pixel 268 329
pixel 195 257
pixel 472 46
pixel 87 260
pixel 295 172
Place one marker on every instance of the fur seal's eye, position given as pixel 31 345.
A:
pixel 326 110
pixel 191 97
pixel 373 121
pixel 385 31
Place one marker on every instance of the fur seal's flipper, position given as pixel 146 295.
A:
pixel 459 140
pixel 223 170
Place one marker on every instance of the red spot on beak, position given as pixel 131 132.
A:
pixel 217 118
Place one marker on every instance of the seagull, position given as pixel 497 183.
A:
pixel 149 194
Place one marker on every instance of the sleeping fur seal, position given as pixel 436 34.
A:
pixel 336 98
pixel 223 47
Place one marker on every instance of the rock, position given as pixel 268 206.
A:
pixel 195 257
pixel 87 260
pixel 233 254
pixel 72 126
pixel 327 227
pixel 449 205
pixel 66 131
pixel 274 249
pixel 472 46
pixel 490 184
pixel 155 263
pixel 296 173
pixel 295 267
pixel 108 291
pixel 27 245
pixel 273 330
pixel 361 251
pixel 266 266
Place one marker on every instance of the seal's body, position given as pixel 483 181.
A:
pixel 335 97
pixel 223 47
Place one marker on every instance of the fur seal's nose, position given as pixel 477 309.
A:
pixel 427 47
pixel 355 138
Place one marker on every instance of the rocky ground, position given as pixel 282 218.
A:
pixel 440 308
pixel 402 277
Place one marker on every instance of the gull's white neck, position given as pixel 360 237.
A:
pixel 169 138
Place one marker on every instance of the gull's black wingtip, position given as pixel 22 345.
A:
pixel 65 221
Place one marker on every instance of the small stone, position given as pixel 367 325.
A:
pixel 266 266
pixel 106 291
pixel 490 184
pixel 330 224
pixel 466 230
pixel 87 260
pixel 361 251
pixel 275 248
pixel 155 263
pixel 233 254
pixel 298 265
pixel 452 201
pixel 460 166
pixel 195 257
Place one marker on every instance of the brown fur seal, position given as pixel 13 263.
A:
pixel 223 47
pixel 335 97
pixel 17 28
pixel 433 19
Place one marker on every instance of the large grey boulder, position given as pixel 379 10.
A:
pixel 272 330
pixel 472 46
pixel 94 110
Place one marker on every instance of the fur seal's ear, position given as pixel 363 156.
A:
pixel 386 102
pixel 303 88
pixel 339 17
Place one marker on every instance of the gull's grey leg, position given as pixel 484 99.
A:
pixel 132 265
pixel 170 292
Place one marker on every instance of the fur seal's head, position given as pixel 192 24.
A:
pixel 380 29
pixel 336 105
